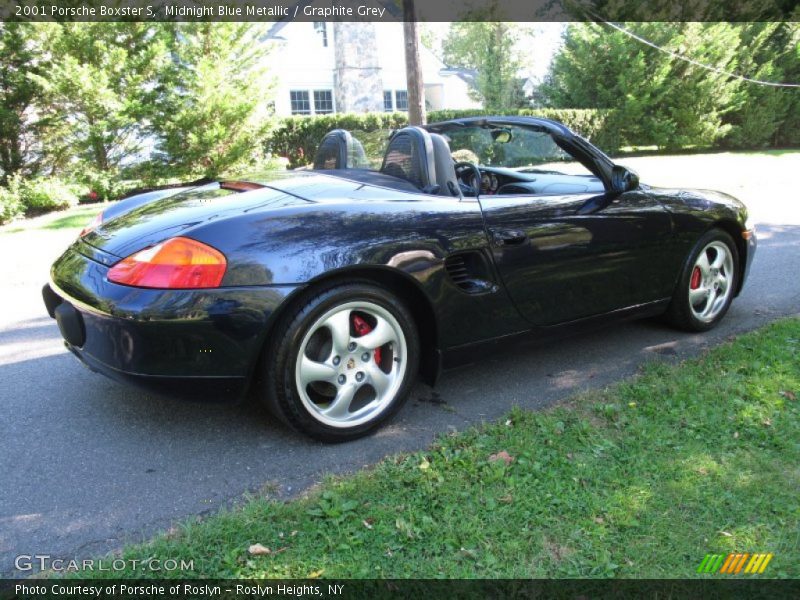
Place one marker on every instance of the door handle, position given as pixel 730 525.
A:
pixel 507 237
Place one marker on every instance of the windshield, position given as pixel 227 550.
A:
pixel 511 147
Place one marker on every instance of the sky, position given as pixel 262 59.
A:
pixel 538 46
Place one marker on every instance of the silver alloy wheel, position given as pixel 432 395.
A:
pixel 711 281
pixel 336 371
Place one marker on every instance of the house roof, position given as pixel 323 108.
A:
pixel 468 75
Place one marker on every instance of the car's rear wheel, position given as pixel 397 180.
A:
pixel 707 284
pixel 343 362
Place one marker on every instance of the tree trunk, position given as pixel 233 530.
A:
pixel 415 85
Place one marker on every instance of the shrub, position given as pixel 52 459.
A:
pixel 788 134
pixel 297 138
pixel 10 205
pixel 44 194
pixel 99 186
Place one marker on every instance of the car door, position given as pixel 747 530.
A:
pixel 565 257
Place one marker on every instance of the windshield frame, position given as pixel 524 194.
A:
pixel 580 149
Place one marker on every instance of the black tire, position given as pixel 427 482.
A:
pixel 280 390
pixel 680 312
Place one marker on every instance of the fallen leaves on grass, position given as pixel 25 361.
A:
pixel 502 455
pixel 259 550
pixel 262 550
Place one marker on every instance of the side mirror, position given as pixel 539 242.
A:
pixel 623 179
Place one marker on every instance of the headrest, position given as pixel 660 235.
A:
pixel 340 150
pixel 410 156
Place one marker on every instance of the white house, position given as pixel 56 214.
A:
pixel 324 67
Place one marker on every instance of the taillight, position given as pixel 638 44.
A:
pixel 177 263
pixel 92 225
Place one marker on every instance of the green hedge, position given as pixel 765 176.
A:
pixel 44 194
pixel 36 196
pixel 297 138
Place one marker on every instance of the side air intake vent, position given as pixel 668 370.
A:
pixel 457 269
pixel 470 273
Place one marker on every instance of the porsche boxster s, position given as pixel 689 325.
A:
pixel 329 290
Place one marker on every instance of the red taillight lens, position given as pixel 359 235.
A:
pixel 177 263
pixel 92 225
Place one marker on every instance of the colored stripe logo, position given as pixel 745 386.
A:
pixel 734 563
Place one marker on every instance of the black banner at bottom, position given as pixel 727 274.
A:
pixel 246 589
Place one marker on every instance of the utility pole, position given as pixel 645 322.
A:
pixel 415 85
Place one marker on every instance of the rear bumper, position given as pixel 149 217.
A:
pixel 189 343
pixel 209 389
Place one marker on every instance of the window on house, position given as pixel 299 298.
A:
pixel 300 102
pixel 401 99
pixel 322 31
pixel 388 105
pixel 323 102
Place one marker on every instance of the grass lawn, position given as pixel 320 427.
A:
pixel 75 217
pixel 640 480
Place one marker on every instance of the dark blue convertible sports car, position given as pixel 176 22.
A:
pixel 329 290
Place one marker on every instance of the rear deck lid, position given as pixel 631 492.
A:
pixel 181 213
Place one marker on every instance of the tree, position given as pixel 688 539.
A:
pixel 788 60
pixel 212 102
pixel 20 125
pixel 766 115
pixel 488 48
pixel 414 82
pixel 95 91
pixel 659 99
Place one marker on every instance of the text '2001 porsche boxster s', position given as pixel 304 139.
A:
pixel 330 290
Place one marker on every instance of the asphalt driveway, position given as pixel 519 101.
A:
pixel 88 464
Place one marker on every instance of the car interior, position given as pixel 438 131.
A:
pixel 419 161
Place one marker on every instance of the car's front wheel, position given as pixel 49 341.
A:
pixel 707 284
pixel 343 362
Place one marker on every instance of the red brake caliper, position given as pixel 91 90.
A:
pixel 363 328
pixel 695 281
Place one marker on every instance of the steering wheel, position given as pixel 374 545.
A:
pixel 462 168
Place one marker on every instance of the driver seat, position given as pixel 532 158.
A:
pixel 424 159
pixel 445 167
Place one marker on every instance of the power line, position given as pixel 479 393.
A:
pixel 695 62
